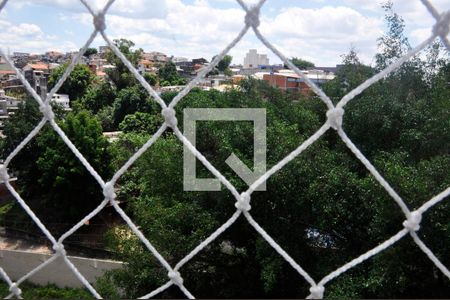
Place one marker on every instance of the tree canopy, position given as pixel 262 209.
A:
pixel 76 84
pixel 332 207
pixel 64 183
pixel 225 63
pixel 168 75
pixel 90 51
pixel 54 182
pixel 338 210
pixel 302 64
pixel 120 75
pixel 324 208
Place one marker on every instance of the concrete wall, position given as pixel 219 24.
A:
pixel 18 263
pixel 282 82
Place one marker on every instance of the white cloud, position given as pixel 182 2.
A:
pixel 187 30
pixel 204 30
pixel 130 8
pixel 420 34
pixel 205 27
pixel 418 21
pixel 30 37
pixel 333 23
pixel 323 34
pixel 373 5
pixel 26 30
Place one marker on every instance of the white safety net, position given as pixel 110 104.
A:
pixel 334 121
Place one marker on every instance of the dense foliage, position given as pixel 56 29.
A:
pixel 168 75
pixel 30 291
pixel 76 84
pixel 120 76
pixel 332 208
pixel 324 208
pixel 302 64
pixel 54 182
pixel 223 66
pixel 64 184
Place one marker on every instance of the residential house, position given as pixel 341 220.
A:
pixel 157 58
pixel 37 75
pixel 8 104
pixel 288 80
pixel 53 56
pixel 62 99
pixel 12 84
pixel 176 60
pixel 200 61
pixel 186 68
pixel 20 54
pixel 98 61
pixel 5 71
pixel 146 66
pixel 7 74
pixel 102 50
pixel 20 59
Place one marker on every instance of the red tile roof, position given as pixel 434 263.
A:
pixel 39 66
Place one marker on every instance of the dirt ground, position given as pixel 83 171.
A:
pixel 16 244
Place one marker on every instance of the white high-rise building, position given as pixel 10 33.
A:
pixel 254 60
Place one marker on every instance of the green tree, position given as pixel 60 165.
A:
pixel 350 75
pixel 223 66
pixel 16 128
pixel 67 191
pixel 344 212
pixel 76 84
pixel 31 291
pixel 168 75
pixel 331 206
pixel 152 79
pixel 120 75
pixel 90 51
pixel 140 122
pixel 225 63
pixel 129 101
pixel 302 64
pixel 393 44
pixel 106 118
pixel 98 96
pixel 19 125
pixel 185 219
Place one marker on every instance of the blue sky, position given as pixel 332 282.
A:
pixel 316 30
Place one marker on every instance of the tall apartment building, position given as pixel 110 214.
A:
pixel 254 60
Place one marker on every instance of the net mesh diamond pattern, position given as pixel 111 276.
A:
pixel 334 121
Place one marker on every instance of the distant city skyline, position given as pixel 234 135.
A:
pixel 317 30
pixel 253 59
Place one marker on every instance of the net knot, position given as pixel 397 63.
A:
pixel 59 249
pixel 108 191
pixel 175 277
pixel 47 111
pixel 4 176
pixel 252 17
pixel 413 221
pixel 335 117
pixel 170 117
pixel 442 27
pixel 317 292
pixel 99 22
pixel 15 289
pixel 243 204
